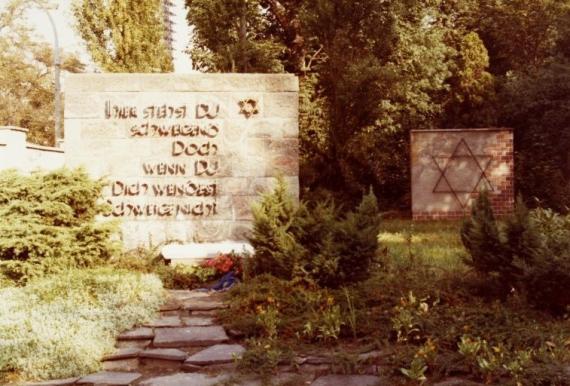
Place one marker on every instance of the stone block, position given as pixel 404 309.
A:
pixel 234 129
pixel 110 378
pixel 189 336
pixel 218 354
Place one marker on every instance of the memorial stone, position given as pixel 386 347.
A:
pixel 184 156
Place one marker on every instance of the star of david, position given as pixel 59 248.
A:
pixel 462 173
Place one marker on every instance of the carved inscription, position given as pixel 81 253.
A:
pixel 181 183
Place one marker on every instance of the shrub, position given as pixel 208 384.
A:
pixel 47 223
pixel 61 325
pixel 316 241
pixel 531 252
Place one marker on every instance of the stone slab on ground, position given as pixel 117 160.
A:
pixel 165 321
pixel 347 380
pixel 123 353
pixel 137 334
pixel 189 336
pixel 122 365
pixel 203 304
pixel 218 354
pixel 140 344
pixel 55 382
pixel 168 354
pixel 198 321
pixel 109 378
pixel 282 378
pixel 457 382
pixel 190 379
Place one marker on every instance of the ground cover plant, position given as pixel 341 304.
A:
pixel 425 313
pixel 61 325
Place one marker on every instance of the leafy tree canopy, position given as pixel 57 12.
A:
pixel 124 35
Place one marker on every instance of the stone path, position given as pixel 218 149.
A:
pixel 185 347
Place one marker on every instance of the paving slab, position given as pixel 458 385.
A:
pixel 189 336
pixel 168 354
pixel 55 382
pixel 141 344
pixel 165 321
pixel 122 365
pixel 457 382
pixel 198 321
pixel 137 334
pixel 282 378
pixel 203 304
pixel 218 354
pixel 347 380
pixel 183 379
pixel 110 378
pixel 123 353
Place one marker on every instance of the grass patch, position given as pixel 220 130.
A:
pixel 60 326
pixel 434 244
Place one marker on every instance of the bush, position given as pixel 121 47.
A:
pixel 60 326
pixel 47 223
pixel 530 252
pixel 316 241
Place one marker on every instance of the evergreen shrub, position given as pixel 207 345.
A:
pixel 317 241
pixel 528 252
pixel 47 223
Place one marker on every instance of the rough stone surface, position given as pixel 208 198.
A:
pixel 221 353
pixel 169 354
pixel 203 305
pixel 110 378
pixel 55 382
pixel 165 321
pixel 457 382
pixel 185 154
pixel 189 336
pixel 197 321
pixel 140 344
pixel 142 333
pixel 131 364
pixel 347 380
pixel 124 353
pixel 190 379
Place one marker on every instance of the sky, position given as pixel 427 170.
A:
pixel 71 42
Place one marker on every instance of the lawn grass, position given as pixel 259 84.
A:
pixel 61 325
pixel 434 244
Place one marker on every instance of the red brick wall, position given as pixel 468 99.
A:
pixel 494 143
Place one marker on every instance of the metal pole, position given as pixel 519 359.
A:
pixel 57 70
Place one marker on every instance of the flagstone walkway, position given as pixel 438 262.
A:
pixel 185 347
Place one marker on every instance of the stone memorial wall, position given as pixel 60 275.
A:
pixel 184 155
pixel 451 167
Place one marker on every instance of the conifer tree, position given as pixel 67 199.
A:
pixel 124 35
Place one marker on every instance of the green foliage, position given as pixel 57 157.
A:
pixel 124 35
pixel 238 41
pixel 315 241
pixel 487 249
pixel 538 106
pixel 26 75
pixel 48 223
pixel 530 252
pixel 445 304
pixel 61 326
